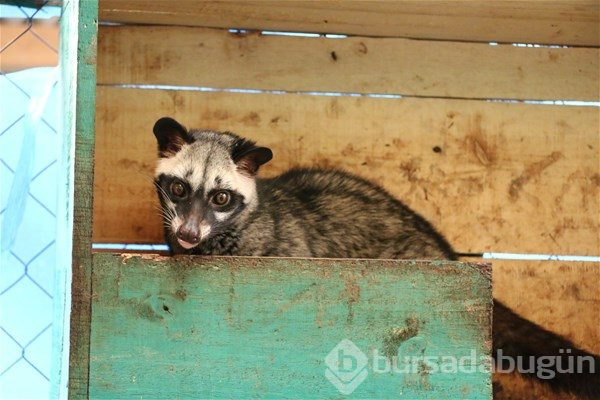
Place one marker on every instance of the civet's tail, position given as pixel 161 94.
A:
pixel 542 355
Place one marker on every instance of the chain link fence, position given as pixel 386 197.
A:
pixel 28 175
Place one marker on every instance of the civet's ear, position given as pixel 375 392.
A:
pixel 248 157
pixel 171 136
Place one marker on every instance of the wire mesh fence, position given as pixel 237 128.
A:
pixel 28 175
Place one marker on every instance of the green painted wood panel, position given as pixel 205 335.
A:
pixel 79 28
pixel 262 327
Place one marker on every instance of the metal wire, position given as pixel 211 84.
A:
pixel 28 274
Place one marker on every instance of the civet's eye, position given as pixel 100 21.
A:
pixel 178 189
pixel 221 198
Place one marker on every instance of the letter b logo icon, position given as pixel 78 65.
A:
pixel 346 366
pixel 348 361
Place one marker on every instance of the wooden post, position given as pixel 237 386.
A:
pixel 79 27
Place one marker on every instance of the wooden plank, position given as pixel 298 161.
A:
pixel 491 176
pixel 78 59
pixel 562 297
pixel 188 56
pixel 572 22
pixel 251 327
pixel 40 52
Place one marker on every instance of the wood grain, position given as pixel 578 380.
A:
pixel 79 30
pixel 251 327
pixel 574 22
pixel 490 176
pixel 188 56
pixel 562 297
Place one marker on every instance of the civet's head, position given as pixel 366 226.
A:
pixel 205 180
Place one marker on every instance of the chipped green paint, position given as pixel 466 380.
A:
pixel 252 327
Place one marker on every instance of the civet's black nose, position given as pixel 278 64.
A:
pixel 188 234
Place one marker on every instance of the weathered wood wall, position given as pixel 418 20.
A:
pixel 503 160
pixel 214 58
pixel 527 175
pixel 512 176
pixel 563 297
pixel 573 22
pixel 251 327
